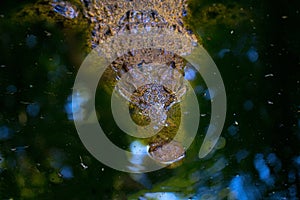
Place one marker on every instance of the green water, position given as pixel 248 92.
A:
pixel 256 48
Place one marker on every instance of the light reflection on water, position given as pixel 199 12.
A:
pixel 5 133
pixel 241 188
pixel 252 54
pixel 76 105
pixel 66 172
pixel 263 170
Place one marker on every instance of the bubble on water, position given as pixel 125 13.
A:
pixel 31 41
pixel 11 89
pixel 139 152
pixel 242 189
pixel 232 130
pixel 252 54
pixel 189 73
pixel 263 170
pixel 209 94
pixel 66 172
pixel 75 105
pixel 33 109
pixel 248 105
pixel 137 147
pixel 5 133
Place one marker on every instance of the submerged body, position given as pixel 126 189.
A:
pixel 151 79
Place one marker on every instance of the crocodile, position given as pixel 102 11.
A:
pixel 152 78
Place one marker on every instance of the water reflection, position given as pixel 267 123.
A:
pixel 209 94
pixel 274 162
pixel 263 170
pixel 33 109
pixel 241 188
pixel 139 150
pixel 190 73
pixel 161 196
pixel 75 105
pixel 248 105
pixel 252 54
pixel 5 133
pixel 66 172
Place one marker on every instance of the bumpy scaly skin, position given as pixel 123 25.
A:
pixel 111 16
pixel 152 100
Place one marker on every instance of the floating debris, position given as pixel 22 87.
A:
pixel 48 34
pixel 84 166
pixel 269 75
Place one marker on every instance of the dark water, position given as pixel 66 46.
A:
pixel 256 48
